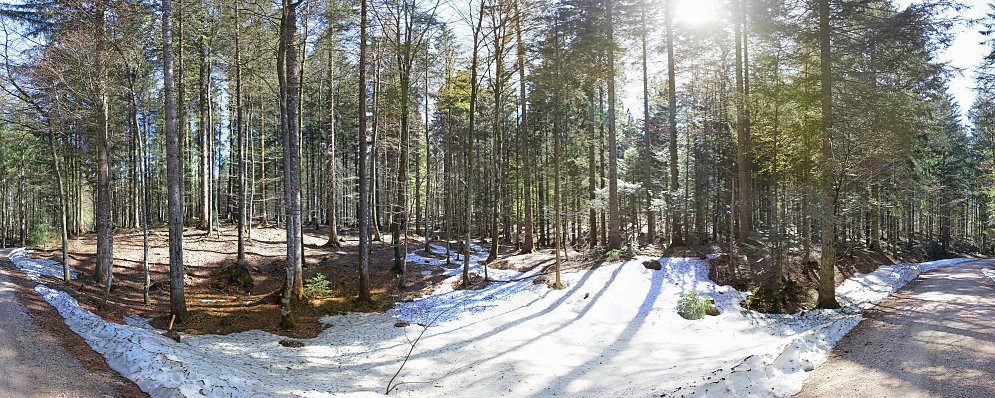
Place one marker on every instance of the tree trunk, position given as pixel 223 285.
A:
pixel 647 139
pixel 105 228
pixel 289 97
pixel 614 234
pixel 528 241
pixel 676 233
pixel 174 171
pixel 827 267
pixel 743 153
pixel 364 194
pixel 474 60
pixel 333 236
pixel 205 132
pixel 240 127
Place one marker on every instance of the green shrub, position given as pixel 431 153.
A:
pixel 693 305
pixel 318 286
pixel 614 254
pixel 42 233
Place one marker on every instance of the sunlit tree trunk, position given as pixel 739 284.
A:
pixel 364 194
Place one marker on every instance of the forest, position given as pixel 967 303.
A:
pixel 792 143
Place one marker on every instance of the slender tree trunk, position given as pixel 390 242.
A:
pixel 592 186
pixel 240 127
pixel 498 151
pixel 827 268
pixel 614 233
pixel 474 60
pixel 63 232
pixel 528 241
pixel 743 152
pixel 875 217
pixel 174 171
pixel 205 132
pixel 333 236
pixel 676 222
pixel 428 161
pixel 557 192
pixel 143 168
pixel 364 194
pixel 105 228
pixel 647 138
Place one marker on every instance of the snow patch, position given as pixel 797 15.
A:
pixel 989 273
pixel 613 331
pixel 36 267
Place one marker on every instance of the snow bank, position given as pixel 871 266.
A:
pixel 782 369
pixel 159 365
pixel 36 267
pixel 989 273
pixel 613 331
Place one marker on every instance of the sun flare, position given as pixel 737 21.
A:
pixel 697 12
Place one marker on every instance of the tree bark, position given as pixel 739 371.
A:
pixel 289 97
pixel 205 131
pixel 676 223
pixel 240 127
pixel 614 233
pixel 827 267
pixel 364 194
pixel 105 227
pixel 333 235
pixel 528 241
pixel 647 138
pixel 174 171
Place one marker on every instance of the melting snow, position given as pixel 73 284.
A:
pixel 614 331
pixel 989 273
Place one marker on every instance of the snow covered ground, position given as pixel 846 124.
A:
pixel 989 273
pixel 614 331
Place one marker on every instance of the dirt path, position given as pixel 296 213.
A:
pixel 40 356
pixel 933 338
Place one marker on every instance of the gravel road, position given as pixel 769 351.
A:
pixel 933 338
pixel 34 359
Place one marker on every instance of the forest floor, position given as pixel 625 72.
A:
pixel 933 338
pixel 216 307
pixel 615 328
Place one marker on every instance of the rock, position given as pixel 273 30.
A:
pixel 172 334
pixel 291 343
pixel 401 324
pixel 652 264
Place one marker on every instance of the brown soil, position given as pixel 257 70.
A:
pixel 215 308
